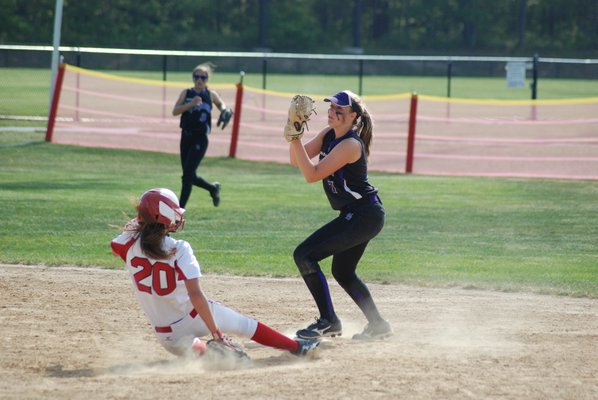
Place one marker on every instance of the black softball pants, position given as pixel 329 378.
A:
pixel 345 238
pixel 193 147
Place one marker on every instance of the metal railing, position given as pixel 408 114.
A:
pixel 358 64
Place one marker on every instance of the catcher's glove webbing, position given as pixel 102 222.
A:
pixel 300 111
pixel 225 117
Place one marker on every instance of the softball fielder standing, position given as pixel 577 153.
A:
pixel 165 276
pixel 343 148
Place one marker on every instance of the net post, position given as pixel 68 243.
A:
pixel 411 134
pixel 78 86
pixel 534 85
pixel 360 78
pixel 164 70
pixel 236 118
pixel 54 105
pixel 449 77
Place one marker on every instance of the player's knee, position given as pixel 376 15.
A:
pixel 299 257
pixel 343 276
pixel 187 179
pixel 304 263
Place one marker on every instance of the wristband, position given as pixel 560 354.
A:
pixel 217 334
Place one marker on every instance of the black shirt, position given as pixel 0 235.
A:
pixel 199 118
pixel 349 183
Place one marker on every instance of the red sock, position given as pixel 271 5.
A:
pixel 269 337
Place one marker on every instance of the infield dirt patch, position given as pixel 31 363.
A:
pixel 78 333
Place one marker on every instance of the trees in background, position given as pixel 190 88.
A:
pixel 558 27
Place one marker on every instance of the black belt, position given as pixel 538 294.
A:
pixel 369 199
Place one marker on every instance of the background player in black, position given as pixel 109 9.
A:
pixel 194 105
pixel 343 147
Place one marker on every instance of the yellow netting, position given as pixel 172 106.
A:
pixel 102 110
pixel 507 138
pixel 453 136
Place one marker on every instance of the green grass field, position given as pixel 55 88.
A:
pixel 64 204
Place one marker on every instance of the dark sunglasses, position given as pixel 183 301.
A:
pixel 203 77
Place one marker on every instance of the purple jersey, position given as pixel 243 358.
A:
pixel 349 183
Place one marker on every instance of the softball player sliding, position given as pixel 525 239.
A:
pixel 165 276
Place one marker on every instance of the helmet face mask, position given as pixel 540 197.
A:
pixel 161 206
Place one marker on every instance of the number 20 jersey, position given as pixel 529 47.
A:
pixel 159 284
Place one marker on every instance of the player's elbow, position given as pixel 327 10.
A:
pixel 311 175
pixel 311 179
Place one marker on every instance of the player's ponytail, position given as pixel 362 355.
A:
pixel 151 237
pixel 364 125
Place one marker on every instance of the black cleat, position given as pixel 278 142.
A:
pixel 321 328
pixel 306 346
pixel 216 194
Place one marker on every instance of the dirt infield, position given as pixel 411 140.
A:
pixel 74 333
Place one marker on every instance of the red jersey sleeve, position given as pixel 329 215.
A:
pixel 122 243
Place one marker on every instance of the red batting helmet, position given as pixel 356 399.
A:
pixel 161 206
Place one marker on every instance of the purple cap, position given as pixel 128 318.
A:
pixel 341 99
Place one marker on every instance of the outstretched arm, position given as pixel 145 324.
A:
pixel 217 100
pixel 200 303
